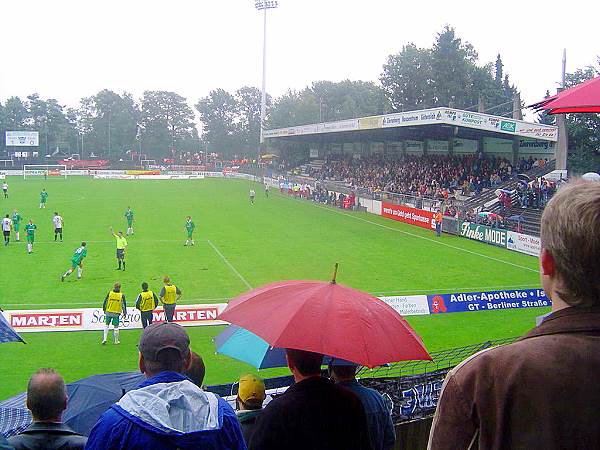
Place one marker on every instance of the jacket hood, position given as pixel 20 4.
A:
pixel 171 404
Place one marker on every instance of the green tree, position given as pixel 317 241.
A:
pixel 407 79
pixel 169 123
pixel 219 115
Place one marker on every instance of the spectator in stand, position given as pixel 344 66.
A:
pixel 312 414
pixel 167 410
pixel 47 400
pixel 197 370
pixel 540 392
pixel 379 419
pixel 249 403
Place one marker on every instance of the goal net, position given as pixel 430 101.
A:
pixel 44 170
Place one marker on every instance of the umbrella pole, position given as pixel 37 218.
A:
pixel 335 268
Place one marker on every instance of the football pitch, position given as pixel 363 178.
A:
pixel 238 246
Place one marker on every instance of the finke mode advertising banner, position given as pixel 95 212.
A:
pixel 409 215
pixel 488 301
pixel 24 321
pixel 22 139
pixel 483 233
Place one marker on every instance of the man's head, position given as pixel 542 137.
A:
pixel 120 234
pixel 46 396
pixel 117 287
pixel 303 364
pixel 570 235
pixel 251 393
pixel 189 217
pixel 144 286
pixel 341 370
pixel 167 280
pixel 197 370
pixel 164 347
pixel 55 213
pixel 83 244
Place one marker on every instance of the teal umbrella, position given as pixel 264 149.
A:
pixel 246 346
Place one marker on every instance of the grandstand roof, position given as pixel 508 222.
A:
pixel 441 123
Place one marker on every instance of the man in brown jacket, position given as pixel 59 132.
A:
pixel 541 392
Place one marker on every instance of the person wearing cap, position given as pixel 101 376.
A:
pixel 169 296
pixel 167 410
pixel 249 403
pixel 379 419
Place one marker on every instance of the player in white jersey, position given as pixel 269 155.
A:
pixel 6 227
pixel 58 226
pixel 252 195
pixel 5 189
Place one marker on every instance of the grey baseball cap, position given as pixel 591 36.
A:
pixel 160 336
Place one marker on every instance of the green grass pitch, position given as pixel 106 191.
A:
pixel 237 246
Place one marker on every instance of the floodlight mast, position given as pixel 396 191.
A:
pixel 264 5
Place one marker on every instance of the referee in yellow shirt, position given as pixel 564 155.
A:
pixel 169 296
pixel 121 246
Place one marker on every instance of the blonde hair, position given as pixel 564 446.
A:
pixel 570 231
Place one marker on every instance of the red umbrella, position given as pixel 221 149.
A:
pixel 326 318
pixel 582 98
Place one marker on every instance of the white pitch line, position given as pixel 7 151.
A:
pixel 226 261
pixel 187 301
pixel 436 241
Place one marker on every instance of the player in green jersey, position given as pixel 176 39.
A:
pixel 189 227
pixel 30 230
pixel 129 217
pixel 43 198
pixel 76 262
pixel 16 220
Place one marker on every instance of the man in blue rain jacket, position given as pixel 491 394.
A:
pixel 167 410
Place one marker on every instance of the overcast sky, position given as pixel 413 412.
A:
pixel 67 49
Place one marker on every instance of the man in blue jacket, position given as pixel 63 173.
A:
pixel 167 410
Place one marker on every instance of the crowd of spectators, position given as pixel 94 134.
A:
pixel 433 176
pixel 427 175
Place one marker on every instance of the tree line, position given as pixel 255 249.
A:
pixel 109 124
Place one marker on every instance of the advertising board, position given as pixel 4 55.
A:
pixel 483 233
pixel 409 215
pixel 523 243
pixel 488 301
pixel 82 319
pixel 408 305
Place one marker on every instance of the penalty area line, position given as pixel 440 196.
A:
pixel 226 261
pixel 436 241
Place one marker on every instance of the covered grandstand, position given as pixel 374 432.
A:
pixel 428 131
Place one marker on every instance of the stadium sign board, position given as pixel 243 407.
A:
pixel 445 116
pixel 406 214
pixel 84 319
pixel 488 301
pixel 524 243
pixel 408 305
pixel 483 233
pixel 22 139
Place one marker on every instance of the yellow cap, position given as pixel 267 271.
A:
pixel 251 388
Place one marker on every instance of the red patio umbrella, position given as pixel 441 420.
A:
pixel 326 318
pixel 582 98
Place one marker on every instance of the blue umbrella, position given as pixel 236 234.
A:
pixel 88 399
pixel 245 346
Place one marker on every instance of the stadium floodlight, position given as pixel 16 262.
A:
pixel 264 5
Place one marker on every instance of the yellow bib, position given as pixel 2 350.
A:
pixel 147 301
pixel 170 294
pixel 114 303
